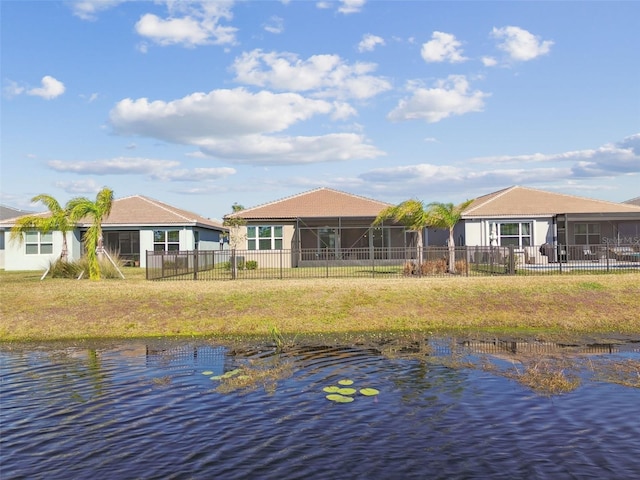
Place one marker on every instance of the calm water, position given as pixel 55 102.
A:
pixel 146 410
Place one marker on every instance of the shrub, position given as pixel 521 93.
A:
pixel 251 265
pixel 65 269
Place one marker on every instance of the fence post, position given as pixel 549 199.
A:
pixel 233 264
pixel 195 264
pixel 281 260
pixel 512 260
pixel 559 255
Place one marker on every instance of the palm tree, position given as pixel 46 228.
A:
pixel 100 209
pixel 58 220
pixel 410 213
pixel 446 215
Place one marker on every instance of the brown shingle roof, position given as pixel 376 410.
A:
pixel 318 203
pixel 139 210
pixel 523 201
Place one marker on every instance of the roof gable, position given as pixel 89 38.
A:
pixel 138 210
pixel 318 203
pixel 523 201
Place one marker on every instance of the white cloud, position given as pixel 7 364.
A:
pixel 442 48
pixel 449 97
pixel 520 44
pixel 89 9
pixel 610 161
pixel 12 89
pixel 271 150
pixel 324 75
pixel 351 6
pixel 275 25
pixel 80 187
pixel 239 126
pixel 165 170
pixel 489 61
pixel 189 24
pixel 51 88
pixel 369 42
pixel 113 166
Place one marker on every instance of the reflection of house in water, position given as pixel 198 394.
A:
pixel 498 346
pixel 212 358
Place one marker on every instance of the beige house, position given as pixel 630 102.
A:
pixel 528 218
pixel 318 226
pixel 136 224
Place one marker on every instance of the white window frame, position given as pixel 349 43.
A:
pixel 38 243
pixel 170 241
pixel 519 236
pixel 265 237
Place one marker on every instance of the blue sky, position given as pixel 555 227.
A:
pixel 203 104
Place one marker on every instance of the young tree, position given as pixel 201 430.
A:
pixel 446 215
pixel 235 224
pixel 100 209
pixel 411 214
pixel 57 220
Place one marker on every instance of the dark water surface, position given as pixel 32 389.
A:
pixel 446 410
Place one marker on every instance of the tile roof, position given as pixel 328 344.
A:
pixel 139 210
pixel 10 212
pixel 523 201
pixel 318 203
pixel 633 201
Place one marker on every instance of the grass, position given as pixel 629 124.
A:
pixel 31 309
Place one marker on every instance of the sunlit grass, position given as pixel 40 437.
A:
pixel 31 308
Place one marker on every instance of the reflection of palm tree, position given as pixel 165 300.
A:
pixel 57 220
pixel 99 210
pixel 447 215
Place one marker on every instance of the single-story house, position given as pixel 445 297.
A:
pixel 7 212
pixel 319 225
pixel 528 218
pixel 136 224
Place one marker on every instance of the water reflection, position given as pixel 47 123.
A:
pixel 447 408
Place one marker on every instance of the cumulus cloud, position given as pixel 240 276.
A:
pixel 451 96
pixel 489 61
pixel 443 47
pixel 51 88
pixel 351 6
pixel 323 75
pixel 80 187
pixel 12 89
pixel 189 24
pixel 369 42
pixel 520 44
pixel 239 126
pixel 89 9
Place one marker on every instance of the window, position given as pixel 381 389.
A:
pixel 515 233
pixel 586 233
pixel 38 243
pixel 264 237
pixel 166 241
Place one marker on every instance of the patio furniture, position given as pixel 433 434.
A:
pixel 625 254
pixel 589 255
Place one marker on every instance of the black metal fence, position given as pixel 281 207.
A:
pixel 390 262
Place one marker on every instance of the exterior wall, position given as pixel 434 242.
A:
pixel 478 232
pixel 17 259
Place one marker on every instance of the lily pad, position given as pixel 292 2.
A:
pixel 334 397
pixel 369 391
pixel 207 372
pixel 346 391
pixel 331 389
pixel 346 381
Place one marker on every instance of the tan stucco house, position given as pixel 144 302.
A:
pixel 319 225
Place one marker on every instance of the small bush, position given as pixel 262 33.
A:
pixel 65 269
pixel 251 265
